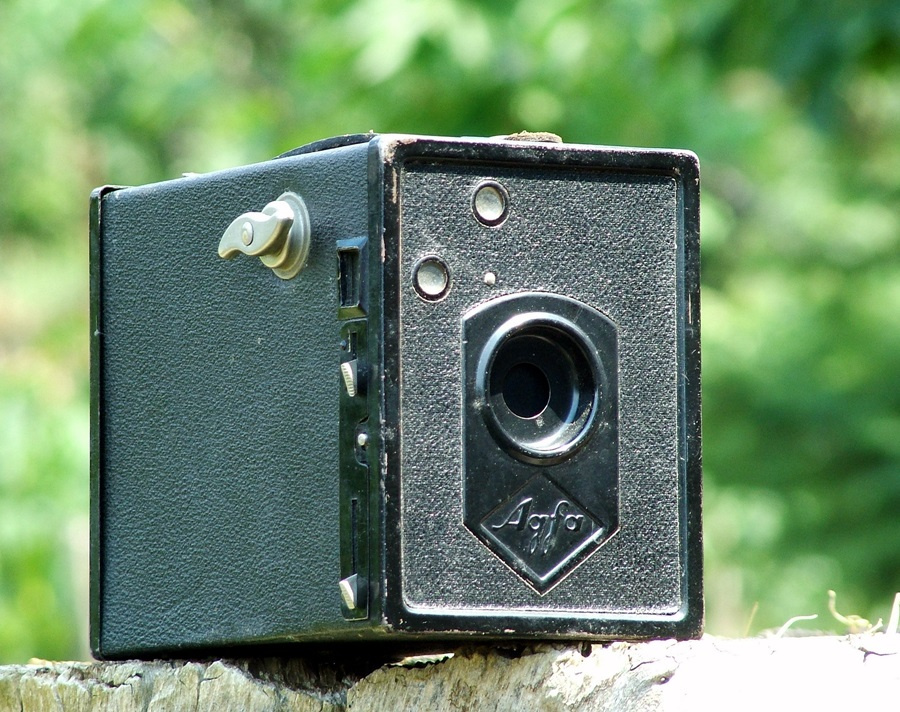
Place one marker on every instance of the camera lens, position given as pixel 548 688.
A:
pixel 526 390
pixel 540 381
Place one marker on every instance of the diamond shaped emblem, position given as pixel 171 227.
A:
pixel 542 533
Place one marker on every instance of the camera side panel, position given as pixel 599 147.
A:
pixel 216 425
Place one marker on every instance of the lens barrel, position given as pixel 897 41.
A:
pixel 539 379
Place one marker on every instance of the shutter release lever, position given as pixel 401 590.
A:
pixel 279 236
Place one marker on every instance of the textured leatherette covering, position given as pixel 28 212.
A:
pixel 616 230
pixel 609 240
pixel 217 428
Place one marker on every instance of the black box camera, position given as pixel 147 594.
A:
pixel 398 388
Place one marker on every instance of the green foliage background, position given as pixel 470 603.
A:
pixel 792 106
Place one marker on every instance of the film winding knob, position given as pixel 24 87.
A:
pixel 279 236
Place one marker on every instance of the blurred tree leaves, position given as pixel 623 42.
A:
pixel 793 108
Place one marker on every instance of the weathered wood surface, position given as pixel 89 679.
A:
pixel 814 673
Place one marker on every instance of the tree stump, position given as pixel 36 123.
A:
pixel 821 673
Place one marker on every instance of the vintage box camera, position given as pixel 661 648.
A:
pixel 398 388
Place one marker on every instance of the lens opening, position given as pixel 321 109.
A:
pixel 541 384
pixel 526 390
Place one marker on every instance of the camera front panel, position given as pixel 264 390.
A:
pixel 543 395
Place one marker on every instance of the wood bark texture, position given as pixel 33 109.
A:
pixel 818 673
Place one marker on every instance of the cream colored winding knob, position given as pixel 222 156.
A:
pixel 279 236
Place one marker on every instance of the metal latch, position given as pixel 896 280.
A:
pixel 279 236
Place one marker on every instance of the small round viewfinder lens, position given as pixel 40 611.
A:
pixel 490 203
pixel 431 278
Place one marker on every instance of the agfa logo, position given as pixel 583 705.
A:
pixel 544 526
pixel 542 532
